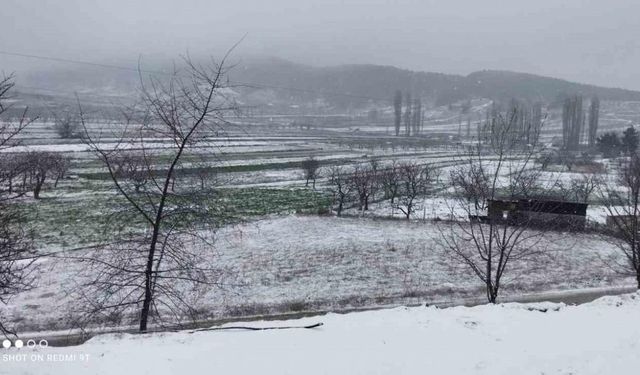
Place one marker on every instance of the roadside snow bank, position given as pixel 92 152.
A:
pixel 595 338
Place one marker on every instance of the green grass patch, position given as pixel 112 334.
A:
pixel 72 221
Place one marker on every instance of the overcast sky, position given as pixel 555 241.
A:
pixel 583 40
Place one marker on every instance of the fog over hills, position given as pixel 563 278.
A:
pixel 267 80
pixel 381 82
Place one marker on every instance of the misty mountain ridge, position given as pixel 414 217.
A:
pixel 380 82
pixel 272 80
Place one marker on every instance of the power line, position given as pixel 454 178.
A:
pixel 124 68
pixel 80 62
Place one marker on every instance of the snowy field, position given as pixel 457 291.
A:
pixel 310 263
pixel 601 337
pixel 277 261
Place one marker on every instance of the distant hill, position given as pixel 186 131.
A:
pixel 343 85
pixel 280 82
pixel 505 84
pixel 381 82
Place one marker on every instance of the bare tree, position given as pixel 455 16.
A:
pixel 365 183
pixel 407 115
pixel 66 124
pixel 573 120
pixel 29 171
pixel 472 183
pixel 341 187
pixel 132 166
pixel 415 180
pixel 580 189
pixel 207 176
pixel 155 268
pixel 12 167
pixel 397 111
pixel 17 257
pixel 486 242
pixel 389 178
pixel 417 116
pixel 9 130
pixel 621 199
pixel 40 166
pixel 17 253
pixel 310 166
pixel 594 117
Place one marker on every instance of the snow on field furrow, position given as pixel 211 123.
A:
pixel 590 339
pixel 338 157
pixel 227 147
pixel 295 176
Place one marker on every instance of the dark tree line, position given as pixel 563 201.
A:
pixel 574 119
pixel 594 118
pixel 30 171
pixel 401 183
pixel 611 144
pixel 411 113
pixel 523 127
pixel 397 107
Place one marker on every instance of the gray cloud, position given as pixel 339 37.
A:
pixel 587 41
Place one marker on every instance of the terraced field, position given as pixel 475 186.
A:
pixel 279 248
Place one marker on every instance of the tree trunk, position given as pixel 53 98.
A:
pixel 146 305
pixel 148 289
pixel 492 294
pixel 37 188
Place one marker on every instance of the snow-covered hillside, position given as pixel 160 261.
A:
pixel 601 337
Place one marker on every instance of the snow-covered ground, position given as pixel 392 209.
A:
pixel 601 337
pixel 302 263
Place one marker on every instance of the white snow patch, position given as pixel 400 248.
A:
pixel 596 338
